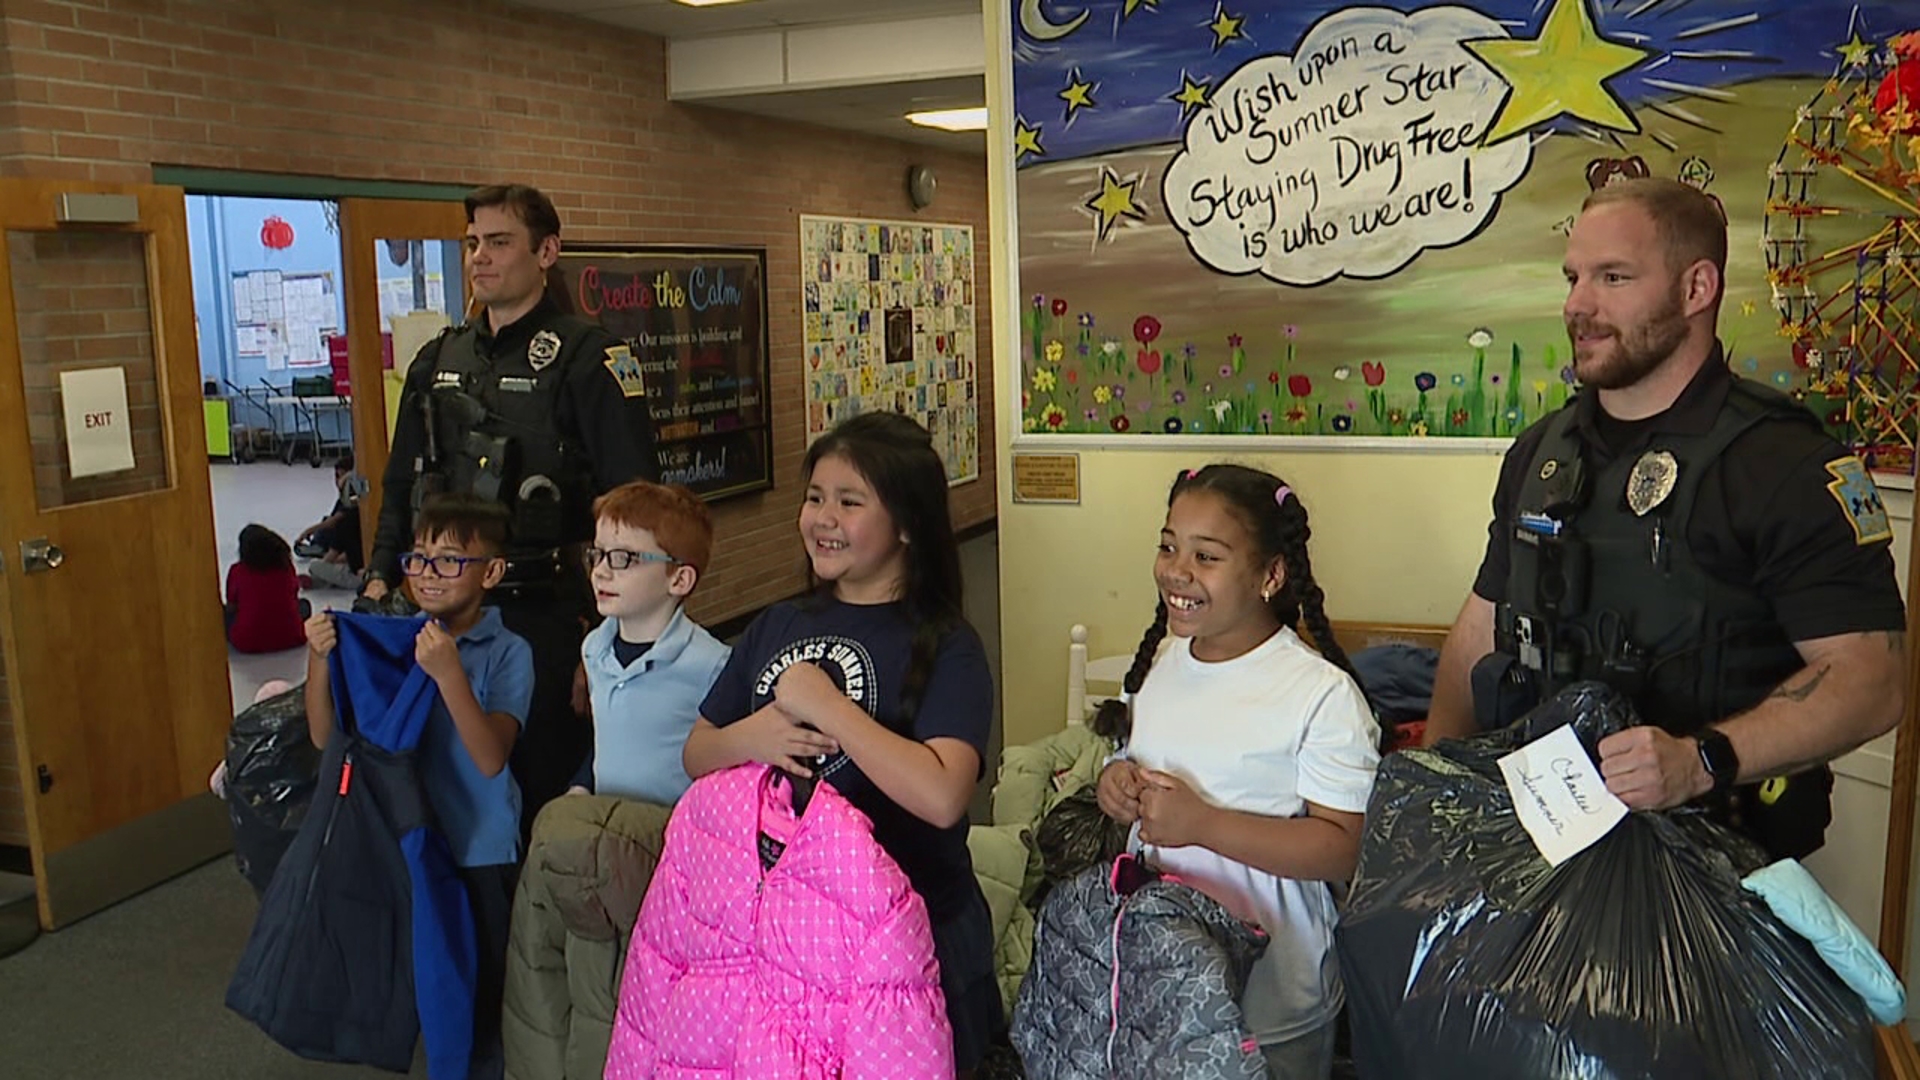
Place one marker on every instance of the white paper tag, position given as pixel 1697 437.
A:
pixel 1560 796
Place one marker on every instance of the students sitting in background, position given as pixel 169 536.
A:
pixel 648 665
pixel 264 609
pixel 334 541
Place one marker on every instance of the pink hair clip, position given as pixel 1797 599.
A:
pixel 1280 495
pixel 1191 473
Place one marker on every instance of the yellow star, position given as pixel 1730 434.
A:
pixel 1114 201
pixel 1192 96
pixel 1078 94
pixel 1558 73
pixel 1136 5
pixel 1856 53
pixel 1225 27
pixel 1026 140
pixel 1748 307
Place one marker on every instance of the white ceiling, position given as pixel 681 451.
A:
pixel 873 109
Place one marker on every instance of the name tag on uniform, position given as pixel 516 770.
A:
pixel 446 378
pixel 518 385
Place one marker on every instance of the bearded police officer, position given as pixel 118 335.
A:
pixel 1689 537
pixel 541 411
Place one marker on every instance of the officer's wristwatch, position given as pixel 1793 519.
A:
pixel 1716 754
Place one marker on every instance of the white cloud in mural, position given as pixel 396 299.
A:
pixel 1350 157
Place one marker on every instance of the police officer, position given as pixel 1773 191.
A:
pixel 537 409
pixel 1689 537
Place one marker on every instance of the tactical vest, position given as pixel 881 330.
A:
pixel 494 421
pixel 1604 587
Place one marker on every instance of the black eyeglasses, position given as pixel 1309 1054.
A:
pixel 621 558
pixel 414 564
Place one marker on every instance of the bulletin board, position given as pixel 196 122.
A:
pixel 889 325
pixel 284 317
pixel 694 324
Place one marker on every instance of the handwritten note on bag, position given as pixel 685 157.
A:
pixel 1560 796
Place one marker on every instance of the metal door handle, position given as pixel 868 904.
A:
pixel 40 555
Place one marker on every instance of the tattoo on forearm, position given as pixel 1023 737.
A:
pixel 1804 690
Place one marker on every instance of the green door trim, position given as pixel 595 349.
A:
pixel 290 186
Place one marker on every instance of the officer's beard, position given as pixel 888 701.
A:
pixel 1637 352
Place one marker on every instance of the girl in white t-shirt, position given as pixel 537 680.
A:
pixel 1251 756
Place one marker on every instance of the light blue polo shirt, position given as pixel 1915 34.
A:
pixel 642 713
pixel 479 815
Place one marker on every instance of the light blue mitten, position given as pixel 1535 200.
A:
pixel 1799 901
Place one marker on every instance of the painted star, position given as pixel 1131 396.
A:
pixel 1192 95
pixel 1226 28
pixel 1115 201
pixel 1748 307
pixel 1078 94
pixel 1136 5
pixel 1026 140
pixel 1856 53
pixel 1561 72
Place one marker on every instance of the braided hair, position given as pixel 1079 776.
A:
pixel 1274 516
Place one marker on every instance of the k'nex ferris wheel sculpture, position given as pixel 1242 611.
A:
pixel 1842 245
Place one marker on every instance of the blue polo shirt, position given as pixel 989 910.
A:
pixel 479 815
pixel 643 711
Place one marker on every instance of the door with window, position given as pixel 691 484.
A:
pixel 116 686
pixel 405 280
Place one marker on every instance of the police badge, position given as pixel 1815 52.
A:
pixel 1652 481
pixel 543 349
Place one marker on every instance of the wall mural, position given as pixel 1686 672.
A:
pixel 1299 218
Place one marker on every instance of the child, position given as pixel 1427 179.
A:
pixel 263 606
pixel 335 539
pixel 485 676
pixel 879 672
pixel 1251 756
pixel 648 665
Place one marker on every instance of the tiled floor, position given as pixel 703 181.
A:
pixel 286 499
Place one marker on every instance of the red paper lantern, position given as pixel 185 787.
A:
pixel 276 234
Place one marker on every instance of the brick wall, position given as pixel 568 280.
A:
pixel 463 91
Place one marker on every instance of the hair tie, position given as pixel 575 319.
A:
pixel 1191 473
pixel 1280 495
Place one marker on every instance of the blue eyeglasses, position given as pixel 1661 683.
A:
pixel 621 558
pixel 414 564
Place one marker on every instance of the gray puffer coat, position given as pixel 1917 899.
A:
pixel 1137 982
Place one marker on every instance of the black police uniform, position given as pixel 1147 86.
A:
pixel 541 416
pixel 1751 530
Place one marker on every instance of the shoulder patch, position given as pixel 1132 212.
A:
pixel 1859 500
pixel 626 371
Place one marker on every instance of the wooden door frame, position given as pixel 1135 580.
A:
pixel 362 221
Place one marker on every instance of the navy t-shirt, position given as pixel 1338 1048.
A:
pixel 866 649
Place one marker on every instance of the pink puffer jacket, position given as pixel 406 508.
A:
pixel 821 967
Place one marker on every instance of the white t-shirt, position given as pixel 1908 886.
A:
pixel 1263 733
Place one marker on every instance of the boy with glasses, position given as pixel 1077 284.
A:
pixel 484 673
pixel 648 665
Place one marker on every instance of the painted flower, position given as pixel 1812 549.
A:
pixel 1189 350
pixel 1206 388
pixel 1101 394
pixel 1480 338
pixel 1418 430
pixel 1053 416
pixel 1566 375
pixel 1539 386
pixel 1299 385
pixel 1059 307
pixel 1250 387
pixel 1148 361
pixel 1039 301
pixel 1083 348
pixel 1396 416
pixel 1266 416
pixel 1273 377
pixel 1782 378
pixel 1342 423
pixel 1424 381
pixel 1044 381
pixel 1512 416
pixel 1342 373
pixel 1233 341
pixel 1091 415
pixel 1172 426
pixel 1145 329
pixel 1073 375
pixel 1459 418
pixel 1457 379
pixel 1110 347
pixel 1226 371
pixel 1055 351
pixel 1120 422
pixel 1026 401
pixel 1196 426
pixel 1495 379
pixel 1373 373
pixel 1028 423
pixel 1086 320
pixel 1290 330
pixel 1119 392
pixel 1179 397
pixel 1220 409
pixel 1296 415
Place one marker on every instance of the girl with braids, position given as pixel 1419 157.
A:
pixel 1249 756
pixel 876 684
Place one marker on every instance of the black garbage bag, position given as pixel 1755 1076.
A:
pixel 271 769
pixel 1467 957
pixel 1074 835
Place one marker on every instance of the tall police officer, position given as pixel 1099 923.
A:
pixel 1689 537
pixel 542 411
